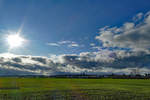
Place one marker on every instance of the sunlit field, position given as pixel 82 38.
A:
pixel 73 89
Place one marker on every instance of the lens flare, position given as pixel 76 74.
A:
pixel 15 40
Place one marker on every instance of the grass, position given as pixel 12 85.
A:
pixel 44 88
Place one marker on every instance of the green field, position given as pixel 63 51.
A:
pixel 74 89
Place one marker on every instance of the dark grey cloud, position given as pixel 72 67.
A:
pixel 16 59
pixel 140 60
pixel 26 64
pixel 40 59
pixel 109 61
pixel 90 62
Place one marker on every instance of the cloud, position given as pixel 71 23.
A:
pixel 73 45
pixel 102 62
pixel 69 43
pixel 108 61
pixel 92 44
pixel 53 44
pixel 64 43
pixel 135 36
pixel 138 17
pixel 25 65
pixel 96 47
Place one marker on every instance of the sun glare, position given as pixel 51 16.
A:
pixel 15 40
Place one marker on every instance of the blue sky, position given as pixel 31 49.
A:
pixel 74 36
pixel 52 21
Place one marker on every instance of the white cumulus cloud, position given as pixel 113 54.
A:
pixel 129 35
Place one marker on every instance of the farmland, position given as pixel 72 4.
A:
pixel 73 89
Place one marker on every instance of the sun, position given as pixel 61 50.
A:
pixel 15 40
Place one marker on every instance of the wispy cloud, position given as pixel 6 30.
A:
pixel 64 43
pixel 53 44
pixel 92 44
pixel 138 17
pixel 73 45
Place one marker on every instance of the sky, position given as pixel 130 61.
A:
pixel 74 36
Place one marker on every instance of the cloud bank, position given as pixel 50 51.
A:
pixel 105 62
